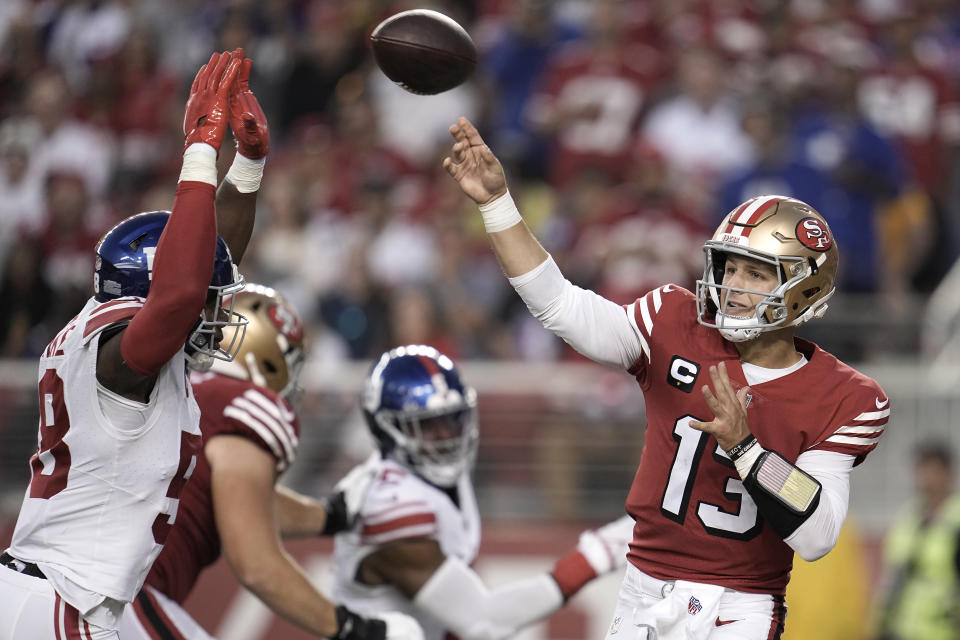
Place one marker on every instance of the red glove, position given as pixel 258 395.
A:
pixel 206 114
pixel 247 119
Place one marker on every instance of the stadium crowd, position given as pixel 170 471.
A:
pixel 628 127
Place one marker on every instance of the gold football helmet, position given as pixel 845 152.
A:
pixel 783 232
pixel 272 351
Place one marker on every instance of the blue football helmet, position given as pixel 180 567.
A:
pixel 421 414
pixel 124 267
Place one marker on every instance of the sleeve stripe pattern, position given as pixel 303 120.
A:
pixel 866 434
pixel 110 312
pixel 646 315
pixel 410 526
pixel 632 314
pixel 269 425
pixel 276 410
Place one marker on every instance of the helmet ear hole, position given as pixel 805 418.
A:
pixel 812 291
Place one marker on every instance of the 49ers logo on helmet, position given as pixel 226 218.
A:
pixel 813 234
pixel 286 322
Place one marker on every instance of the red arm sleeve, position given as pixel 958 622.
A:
pixel 182 269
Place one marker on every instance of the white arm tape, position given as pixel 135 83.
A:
pixel 199 164
pixel 596 327
pixel 815 537
pixel 245 174
pixel 456 596
pixel 745 462
pixel 500 214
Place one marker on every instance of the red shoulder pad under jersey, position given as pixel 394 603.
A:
pixel 109 313
pixel 398 505
pixel 239 407
pixel 667 306
pixel 861 417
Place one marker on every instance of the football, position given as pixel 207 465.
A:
pixel 423 51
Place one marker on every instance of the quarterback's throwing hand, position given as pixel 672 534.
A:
pixel 472 164
pixel 729 425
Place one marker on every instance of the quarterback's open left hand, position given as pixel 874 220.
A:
pixel 729 425
pixel 247 119
pixel 343 504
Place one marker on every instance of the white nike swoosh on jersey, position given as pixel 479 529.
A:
pixel 881 405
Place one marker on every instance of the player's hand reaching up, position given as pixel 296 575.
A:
pixel 247 119
pixel 206 114
pixel 472 164
pixel 729 425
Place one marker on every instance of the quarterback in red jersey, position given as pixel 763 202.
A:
pixel 751 432
pixel 250 435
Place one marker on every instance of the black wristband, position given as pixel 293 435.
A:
pixel 336 508
pixel 737 450
pixel 353 626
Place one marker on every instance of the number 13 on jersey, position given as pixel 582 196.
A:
pixel 742 524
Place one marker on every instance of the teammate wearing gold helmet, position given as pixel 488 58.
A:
pixel 233 504
pixel 751 432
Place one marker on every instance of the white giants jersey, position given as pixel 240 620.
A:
pixel 399 506
pixel 101 499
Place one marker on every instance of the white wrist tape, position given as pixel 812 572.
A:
pixel 745 462
pixel 199 164
pixel 500 214
pixel 245 174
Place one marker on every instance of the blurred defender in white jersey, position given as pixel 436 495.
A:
pixel 418 529
pixel 119 431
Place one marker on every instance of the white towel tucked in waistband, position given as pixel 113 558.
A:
pixel 688 612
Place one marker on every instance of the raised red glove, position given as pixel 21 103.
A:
pixel 206 115
pixel 247 119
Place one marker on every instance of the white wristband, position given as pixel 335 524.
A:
pixel 199 164
pixel 500 214
pixel 745 462
pixel 245 174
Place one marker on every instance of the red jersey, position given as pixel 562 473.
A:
pixel 227 407
pixel 694 519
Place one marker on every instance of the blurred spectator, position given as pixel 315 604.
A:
pixel 922 552
pixel 915 104
pixel 358 308
pixel 65 242
pixel 414 315
pixel 592 93
pixel 698 130
pixel 865 168
pixel 21 199
pixel 774 169
pixel 330 48
pixel 86 30
pixel 531 35
pixel 60 142
pixel 25 297
pixel 138 101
